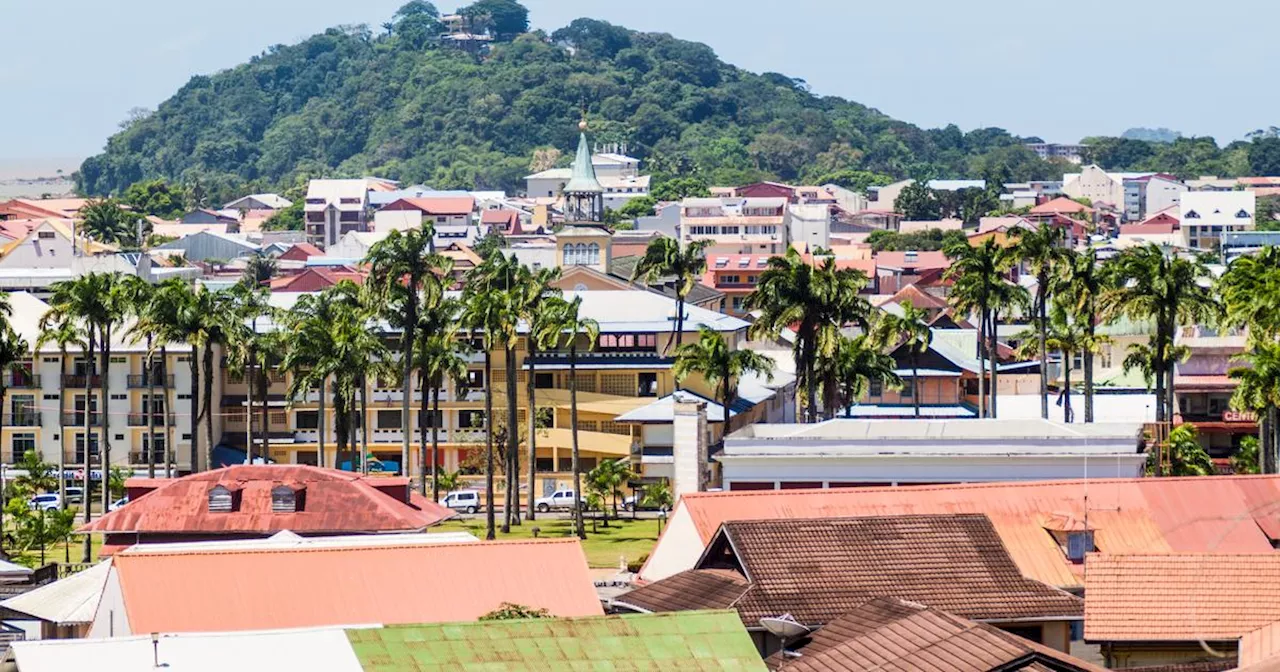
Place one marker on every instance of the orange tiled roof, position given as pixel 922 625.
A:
pixel 936 259
pixel 208 591
pixel 1141 515
pixel 1182 597
pixel 332 502
pixel 436 205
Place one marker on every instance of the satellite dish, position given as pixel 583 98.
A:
pixel 784 626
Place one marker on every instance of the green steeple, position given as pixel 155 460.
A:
pixel 583 178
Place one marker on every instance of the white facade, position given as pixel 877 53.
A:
pixel 1162 194
pixel 811 224
pixel 1096 185
pixel 736 225
pixel 899 452
pixel 1206 215
pixel 333 208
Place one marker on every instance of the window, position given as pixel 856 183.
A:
pixel 1079 544
pixel 149 440
pixel 876 388
pixel 908 387
pixel 731 279
pixel 1243 214
pixel 93 447
pixel 1192 214
pixel 220 499
pixel 737 303
pixel 471 419
pixel 307 420
pixel 389 419
pixel 544 381
pixel 648 385
pixel 21 444
pixel 47 235
pixel 475 379
pixel 283 499
pixel 432 418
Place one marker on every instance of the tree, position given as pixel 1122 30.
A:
pixel 593 39
pixel 1258 390
pixel 665 258
pixel 658 496
pixel 608 478
pixel 567 321
pixel 679 188
pixel 1062 335
pixel 918 202
pixel 1245 460
pixel 510 612
pixel 171 316
pixel 1186 456
pixel 259 269
pixel 534 290
pixel 309 360
pixel 979 287
pixel 1080 287
pixel 504 19
pixel 638 207
pixel 721 366
pixel 1040 251
pixel 286 219
pixel 816 302
pixel 156 197
pixel 1250 291
pixel 402 267
pixel 439 356
pixel 247 354
pixel 859 362
pixel 65 333
pixel 417 23
pixel 909 330
pixel 106 221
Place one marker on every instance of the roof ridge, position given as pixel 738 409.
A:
pixel 142 550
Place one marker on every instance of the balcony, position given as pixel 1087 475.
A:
pixel 596 360
pixel 75 380
pixel 21 381
pixel 144 381
pixel 77 419
pixel 27 419
pixel 143 419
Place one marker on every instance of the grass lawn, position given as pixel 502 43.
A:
pixel 623 538
pixel 57 552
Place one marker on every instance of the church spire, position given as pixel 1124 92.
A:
pixel 583 195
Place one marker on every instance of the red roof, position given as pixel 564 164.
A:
pixel 1060 205
pixel 329 502
pixel 1142 515
pixel 1149 227
pixel 505 219
pixel 936 259
pixel 919 299
pixel 315 279
pixel 436 205
pixel 266 589
pixel 302 252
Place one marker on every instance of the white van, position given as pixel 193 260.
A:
pixel 466 501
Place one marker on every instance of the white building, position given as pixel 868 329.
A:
pixel 618 174
pixel 1097 185
pixel 1206 215
pixel 1055 150
pixel 334 208
pixel 845 452
pixel 811 224
pixel 736 225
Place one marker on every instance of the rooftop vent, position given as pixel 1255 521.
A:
pixel 220 499
pixel 1079 543
pixel 284 499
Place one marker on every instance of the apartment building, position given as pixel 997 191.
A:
pixel 335 207
pixel 736 225
pixel 1055 150
pixel 1206 215
pixel 1150 194
pixel 46 405
pixel 736 276
pixel 627 367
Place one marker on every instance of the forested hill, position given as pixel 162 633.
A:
pixel 397 104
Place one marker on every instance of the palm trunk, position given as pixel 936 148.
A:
pixel 264 384
pixel 435 443
pixel 423 410
pixel 995 360
pixel 320 422
pixel 1041 291
pixel 1066 387
pixel 915 380
pixel 982 363
pixel 488 439
pixel 1088 372
pixel 406 353
pixel 104 356
pixel 62 454
pixel 513 442
pixel 533 427
pixel 678 330
pixel 573 432
pixel 248 410
pixel 208 404
pixel 810 381
pixel 1269 460
pixel 194 466
pixel 1157 366
pixel 364 424
pixel 150 443
pixel 89 370
pixel 168 417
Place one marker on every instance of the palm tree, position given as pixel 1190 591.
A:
pixel 1041 251
pixel 488 310
pixel 1186 456
pixel 247 355
pixel 910 330
pixel 259 269
pixel 1149 284
pixel 64 333
pixel 13 349
pixel 535 290
pixel 439 356
pixel 210 318
pixel 566 321
pixel 357 354
pixel 1064 336
pixel 663 259
pixel 1250 290
pixel 721 366
pixel 860 361
pixel 308 355
pixel 979 287
pixel 1258 390
pixel 170 316
pixel 1080 287
pixel 815 301
pixel 106 221
pixel 399 267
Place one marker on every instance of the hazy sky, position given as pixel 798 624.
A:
pixel 71 70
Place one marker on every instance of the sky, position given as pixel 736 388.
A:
pixel 71 70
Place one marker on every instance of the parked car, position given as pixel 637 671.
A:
pixel 118 503
pixel 560 500
pixel 466 501
pixel 75 495
pixel 46 502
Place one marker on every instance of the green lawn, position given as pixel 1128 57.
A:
pixel 57 552
pixel 623 538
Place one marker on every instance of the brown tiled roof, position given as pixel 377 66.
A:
pixel 889 634
pixel 694 589
pixel 1182 597
pixel 818 569
pixel 1198 666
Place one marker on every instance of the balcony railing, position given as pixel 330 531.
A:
pixel 28 419
pixel 21 381
pixel 142 381
pixel 142 419
pixel 73 380
pixel 77 419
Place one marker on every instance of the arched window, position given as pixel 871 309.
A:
pixel 1192 214
pixel 593 254
pixel 1243 214
pixel 283 499
pixel 220 499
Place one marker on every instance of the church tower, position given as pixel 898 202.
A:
pixel 583 195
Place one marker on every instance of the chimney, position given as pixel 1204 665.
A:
pixel 689 444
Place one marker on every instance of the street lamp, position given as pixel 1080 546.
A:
pixel 662 516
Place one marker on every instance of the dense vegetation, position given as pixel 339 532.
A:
pixel 349 102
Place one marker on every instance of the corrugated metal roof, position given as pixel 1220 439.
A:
pixel 1143 515
pixel 68 601
pixel 310 587
pixel 1180 597
pixel 691 640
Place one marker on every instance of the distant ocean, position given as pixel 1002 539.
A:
pixel 32 178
